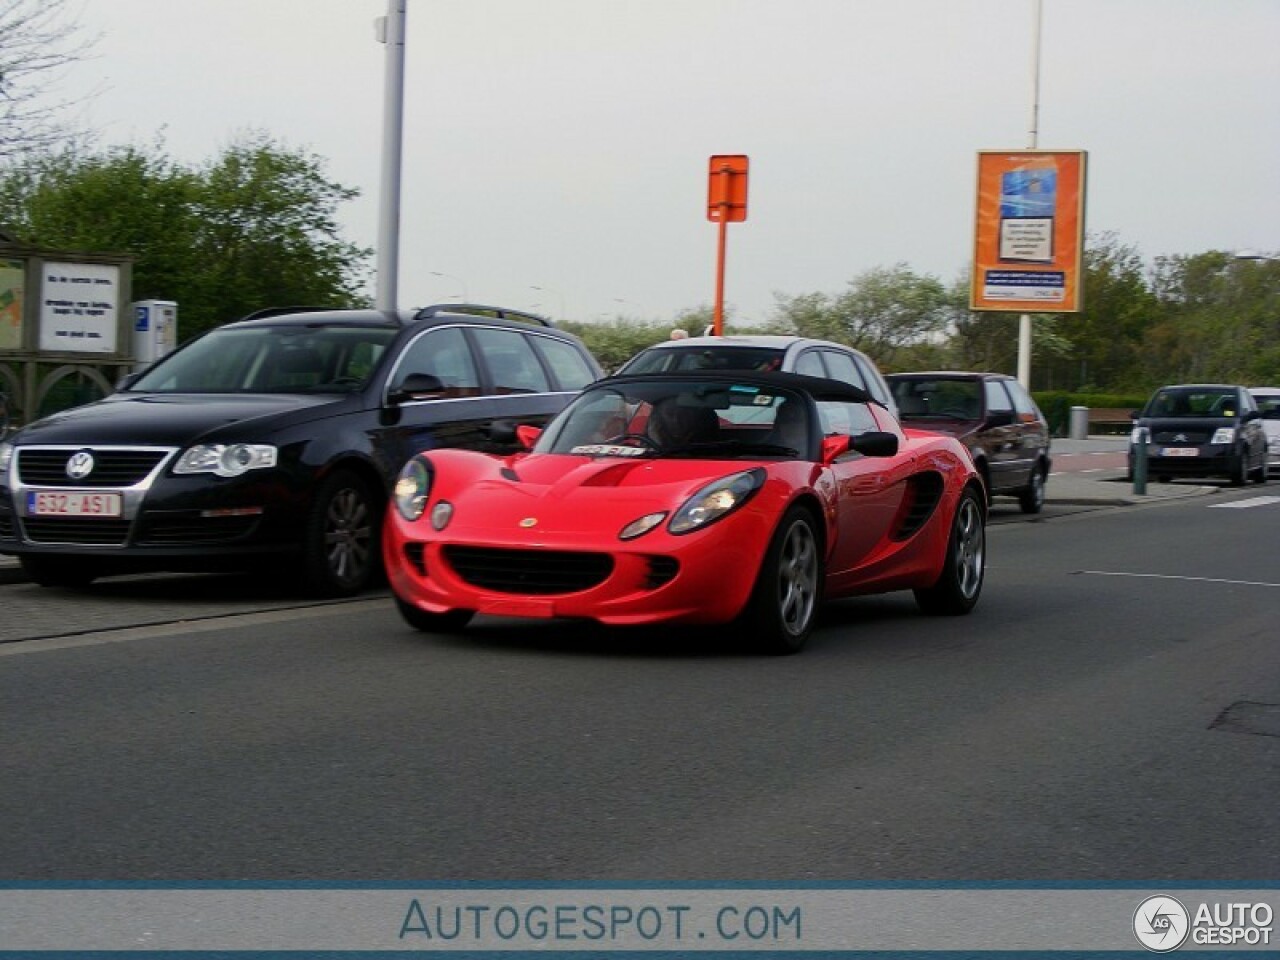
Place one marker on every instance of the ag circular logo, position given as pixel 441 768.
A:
pixel 1160 923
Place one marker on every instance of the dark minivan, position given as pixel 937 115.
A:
pixel 1201 430
pixel 275 440
pixel 993 416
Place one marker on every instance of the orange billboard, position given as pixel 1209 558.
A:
pixel 1028 244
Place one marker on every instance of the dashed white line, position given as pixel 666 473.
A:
pixel 1246 504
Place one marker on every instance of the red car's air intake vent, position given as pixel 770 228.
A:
pixel 528 571
pixel 923 493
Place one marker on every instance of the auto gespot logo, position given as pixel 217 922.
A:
pixel 1162 924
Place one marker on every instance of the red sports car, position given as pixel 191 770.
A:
pixel 703 498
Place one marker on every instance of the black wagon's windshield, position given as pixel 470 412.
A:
pixel 687 419
pixel 271 359
pixel 1193 402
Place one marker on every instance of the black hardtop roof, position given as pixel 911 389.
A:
pixel 820 388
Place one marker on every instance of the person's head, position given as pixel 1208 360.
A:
pixel 673 424
pixel 679 334
pixel 790 425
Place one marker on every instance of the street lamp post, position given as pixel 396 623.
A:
pixel 390 31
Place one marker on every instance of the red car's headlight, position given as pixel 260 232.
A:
pixel 716 500
pixel 412 488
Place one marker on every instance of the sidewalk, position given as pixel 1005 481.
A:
pixel 1108 487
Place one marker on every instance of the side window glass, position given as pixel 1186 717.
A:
pixel 841 367
pixel 570 368
pixel 810 364
pixel 840 417
pixel 875 383
pixel 442 353
pixel 1022 401
pixel 997 399
pixel 512 363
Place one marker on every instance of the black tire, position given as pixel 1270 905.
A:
pixel 960 583
pixel 342 537
pixel 1259 474
pixel 784 603
pixel 1031 497
pixel 420 619
pixel 49 571
pixel 1239 468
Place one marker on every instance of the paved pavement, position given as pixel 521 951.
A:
pixel 1102 486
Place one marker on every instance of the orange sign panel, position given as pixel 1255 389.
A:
pixel 1029 233
pixel 727 189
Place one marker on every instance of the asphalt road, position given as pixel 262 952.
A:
pixel 1111 711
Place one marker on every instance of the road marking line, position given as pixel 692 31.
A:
pixel 1164 576
pixel 1245 504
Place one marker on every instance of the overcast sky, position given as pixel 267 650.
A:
pixel 563 144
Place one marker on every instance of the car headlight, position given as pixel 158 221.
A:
pixel 716 500
pixel 6 456
pixel 413 486
pixel 1139 435
pixel 1224 435
pixel 638 528
pixel 226 459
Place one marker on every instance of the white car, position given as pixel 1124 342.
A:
pixel 1268 401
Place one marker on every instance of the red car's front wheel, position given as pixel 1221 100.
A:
pixel 784 604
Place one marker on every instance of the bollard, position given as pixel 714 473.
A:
pixel 1138 441
pixel 1079 423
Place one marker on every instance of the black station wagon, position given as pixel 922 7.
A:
pixel 273 439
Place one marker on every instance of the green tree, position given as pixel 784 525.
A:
pixel 883 311
pixel 255 227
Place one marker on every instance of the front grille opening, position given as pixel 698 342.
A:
pixel 92 531
pixel 661 571
pixel 190 527
pixel 415 554
pixel 529 571
pixel 111 468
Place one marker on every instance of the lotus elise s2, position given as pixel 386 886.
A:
pixel 702 498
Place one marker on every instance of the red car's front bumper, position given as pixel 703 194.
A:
pixel 702 577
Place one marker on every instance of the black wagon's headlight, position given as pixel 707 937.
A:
pixel 413 487
pixel 226 459
pixel 716 500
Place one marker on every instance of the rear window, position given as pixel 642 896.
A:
pixel 669 360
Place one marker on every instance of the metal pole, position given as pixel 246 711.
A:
pixel 391 30
pixel 1142 437
pixel 717 318
pixel 1033 138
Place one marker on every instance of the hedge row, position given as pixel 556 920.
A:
pixel 1057 405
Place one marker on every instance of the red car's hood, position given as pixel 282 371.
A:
pixel 548 493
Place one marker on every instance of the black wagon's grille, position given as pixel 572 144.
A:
pixel 179 528
pixel 1185 437
pixel 111 468
pixel 94 531
pixel 528 571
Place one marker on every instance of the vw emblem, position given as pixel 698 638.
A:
pixel 80 465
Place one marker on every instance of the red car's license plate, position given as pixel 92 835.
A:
pixel 74 503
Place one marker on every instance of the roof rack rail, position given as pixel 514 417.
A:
pixel 483 310
pixel 281 311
